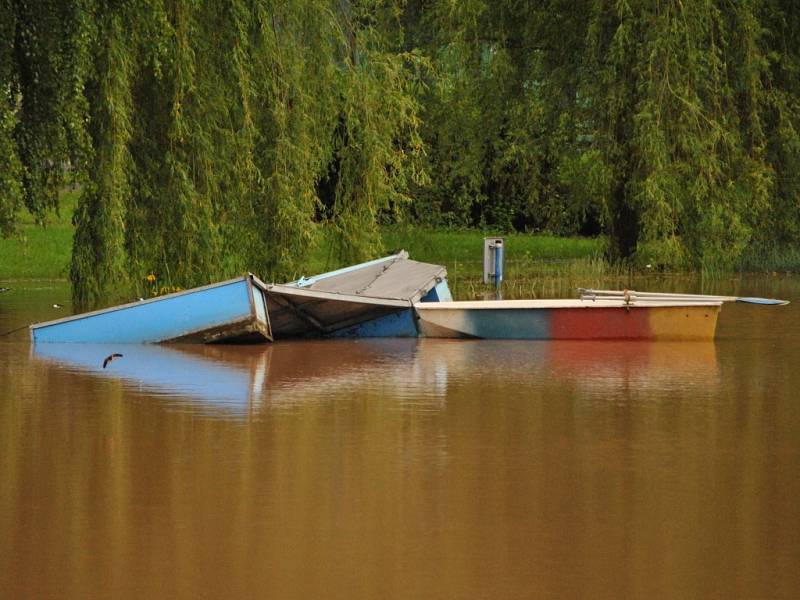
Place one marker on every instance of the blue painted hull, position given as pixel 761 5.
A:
pixel 401 324
pixel 233 310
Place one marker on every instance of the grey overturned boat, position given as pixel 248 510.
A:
pixel 373 299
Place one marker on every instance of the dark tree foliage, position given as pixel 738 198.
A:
pixel 499 112
pixel 43 53
pixel 209 138
pixel 671 124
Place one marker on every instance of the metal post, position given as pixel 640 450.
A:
pixel 493 261
pixel 498 263
pixel 488 260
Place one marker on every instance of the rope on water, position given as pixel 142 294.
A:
pixel 21 327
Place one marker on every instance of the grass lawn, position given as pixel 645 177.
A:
pixel 462 250
pixel 535 264
pixel 466 246
pixel 37 252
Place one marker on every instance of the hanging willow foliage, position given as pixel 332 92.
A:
pixel 99 259
pixel 681 129
pixel 672 125
pixel 780 55
pixel 43 53
pixel 499 113
pixel 204 131
pixel 215 137
pixel 377 141
pixel 10 165
pixel 293 97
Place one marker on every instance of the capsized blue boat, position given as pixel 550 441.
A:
pixel 229 311
pixel 372 299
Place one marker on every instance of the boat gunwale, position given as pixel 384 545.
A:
pixel 555 304
pixel 421 292
pixel 127 305
pixel 304 282
pixel 288 290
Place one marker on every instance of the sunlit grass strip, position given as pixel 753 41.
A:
pixel 780 260
pixel 528 278
pixel 40 252
pixel 536 266
pixel 449 245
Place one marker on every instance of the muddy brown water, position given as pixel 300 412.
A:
pixel 404 468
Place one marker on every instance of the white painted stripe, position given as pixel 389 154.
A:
pixel 539 304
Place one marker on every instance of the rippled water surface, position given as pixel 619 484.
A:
pixel 403 468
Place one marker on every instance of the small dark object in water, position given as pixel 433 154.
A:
pixel 111 357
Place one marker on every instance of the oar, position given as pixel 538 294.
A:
pixel 655 296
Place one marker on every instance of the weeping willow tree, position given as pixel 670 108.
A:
pixel 202 132
pixel 377 144
pixel 677 121
pixel 209 138
pixel 229 116
pixel 498 113
pixel 780 117
pixel 671 125
pixel 43 53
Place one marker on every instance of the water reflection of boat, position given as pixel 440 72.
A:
pixel 311 370
pixel 421 373
pixel 424 373
pixel 235 378
pixel 234 384
pixel 634 365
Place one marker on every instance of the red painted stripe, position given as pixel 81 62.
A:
pixel 600 323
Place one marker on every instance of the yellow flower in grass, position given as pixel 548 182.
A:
pixel 151 278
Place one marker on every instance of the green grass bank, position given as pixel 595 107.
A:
pixel 43 252
pixel 40 252
pixel 536 265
